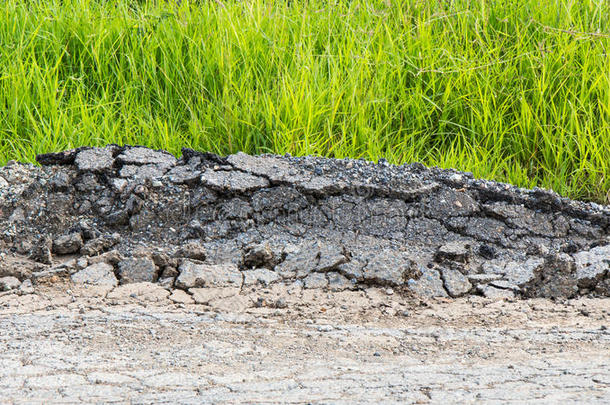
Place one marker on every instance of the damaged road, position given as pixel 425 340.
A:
pixel 130 276
pixel 119 215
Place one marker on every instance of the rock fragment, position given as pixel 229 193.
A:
pixel 101 274
pixel 337 282
pixel 331 256
pixel 302 261
pixel 60 182
pixel 260 276
pixel 191 250
pixel 9 283
pixel 389 268
pixel 26 287
pixel 482 278
pixel 67 244
pixel 555 278
pixel 143 172
pixel 183 175
pixel 517 273
pixel 258 255
pixel 592 265
pixel 429 284
pixel 194 275
pixel 143 156
pixel 455 282
pixel 94 160
pixel 457 251
pixel 315 280
pixel 495 293
pixel 42 251
pixel 137 270
pixel 112 257
pixel 234 181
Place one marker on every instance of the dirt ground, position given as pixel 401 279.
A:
pixel 134 344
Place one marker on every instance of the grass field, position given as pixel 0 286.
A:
pixel 513 90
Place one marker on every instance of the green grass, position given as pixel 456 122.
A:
pixel 513 90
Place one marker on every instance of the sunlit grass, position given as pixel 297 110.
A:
pixel 516 91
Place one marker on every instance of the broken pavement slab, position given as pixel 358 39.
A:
pixel 258 221
pixel 101 274
pixel 193 275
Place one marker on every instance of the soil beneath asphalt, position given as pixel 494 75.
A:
pixel 70 344
pixel 127 275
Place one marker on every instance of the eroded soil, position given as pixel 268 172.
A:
pixel 69 344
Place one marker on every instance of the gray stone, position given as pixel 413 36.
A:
pixel 18 215
pixel 66 244
pixel 88 182
pixel 42 251
pixel 98 245
pixel 429 284
pixel 269 167
pixel 112 256
pixel 260 276
pixel 259 255
pixel 352 270
pixel 455 282
pixel 95 160
pixel 60 181
pixel 143 172
pixel 592 265
pixel 160 258
pixel 389 268
pixel 193 275
pixel 301 262
pixel 137 269
pixel 458 251
pixel 522 273
pixel 555 278
pixel 170 272
pixel 505 284
pixel 167 282
pixel 450 202
pixel 495 293
pixel 315 280
pixel 331 256
pixel 522 217
pixel 183 175
pixel 322 185
pixel 96 274
pixel 51 275
pixel 143 156
pixel 119 184
pixel 9 283
pixel 233 181
pixel 191 250
pixel 338 282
